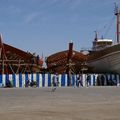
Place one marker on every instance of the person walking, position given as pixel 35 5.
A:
pixel 79 81
pixel 55 82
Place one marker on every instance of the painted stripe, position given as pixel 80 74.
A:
pixel 17 80
pixel 11 79
pixel 91 80
pixel 63 80
pixel 23 80
pixel 34 77
pixel 96 76
pixel 14 80
pixel 40 80
pixel 20 80
pixel 37 79
pixel 94 80
pixel 73 80
pixel 85 84
pixel 117 77
pixel 26 77
pixel 6 79
pixel 0 80
pixel 83 79
pixel 49 80
pixel 60 80
pixel 66 80
pixel 52 78
pixel 46 80
pixel 29 77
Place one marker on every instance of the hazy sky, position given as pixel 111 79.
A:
pixel 47 26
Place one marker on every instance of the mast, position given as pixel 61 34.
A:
pixel 69 62
pixel 1 53
pixel 117 13
pixel 96 36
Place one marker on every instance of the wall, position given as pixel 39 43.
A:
pixel 44 80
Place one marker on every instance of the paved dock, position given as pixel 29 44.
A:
pixel 93 103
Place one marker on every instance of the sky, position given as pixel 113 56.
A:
pixel 47 26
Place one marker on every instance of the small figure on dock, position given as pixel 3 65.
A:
pixel 27 83
pixel 55 82
pixel 79 81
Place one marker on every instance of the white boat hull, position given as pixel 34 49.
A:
pixel 109 63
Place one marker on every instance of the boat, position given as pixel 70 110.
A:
pixel 105 56
pixel 14 60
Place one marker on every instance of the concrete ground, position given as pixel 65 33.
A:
pixel 93 103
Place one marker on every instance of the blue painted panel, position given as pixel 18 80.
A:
pixel 73 80
pixel 0 78
pixel 63 80
pixel 90 81
pixel 94 80
pixel 37 79
pixel 20 80
pixel 14 80
pixel 26 77
pixel 32 77
pixel 7 78
pixel 68 80
pixel 49 80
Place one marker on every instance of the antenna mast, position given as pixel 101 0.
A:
pixel 117 13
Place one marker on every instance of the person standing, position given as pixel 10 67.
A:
pixel 27 83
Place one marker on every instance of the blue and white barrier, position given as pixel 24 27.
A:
pixel 45 80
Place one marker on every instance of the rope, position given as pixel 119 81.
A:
pixel 106 27
pixel 109 27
